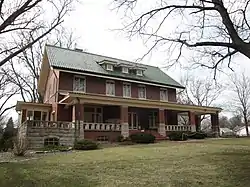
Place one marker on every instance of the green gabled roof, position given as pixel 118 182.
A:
pixel 87 62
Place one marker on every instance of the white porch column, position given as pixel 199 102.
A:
pixel 161 128
pixel 124 121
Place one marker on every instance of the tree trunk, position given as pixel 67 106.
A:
pixel 246 124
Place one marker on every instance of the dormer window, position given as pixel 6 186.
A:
pixel 139 72
pixel 109 67
pixel 124 69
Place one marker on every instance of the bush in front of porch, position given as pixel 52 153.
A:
pixel 143 138
pixel 85 145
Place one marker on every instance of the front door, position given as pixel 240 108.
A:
pixel 132 120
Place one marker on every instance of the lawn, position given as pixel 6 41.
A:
pixel 210 163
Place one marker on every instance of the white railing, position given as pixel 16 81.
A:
pixel 178 127
pixel 50 124
pixel 101 126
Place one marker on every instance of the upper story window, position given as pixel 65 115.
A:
pixel 126 90
pixel 164 95
pixel 139 72
pixel 124 69
pixel 110 88
pixel 109 67
pixel 142 92
pixel 79 84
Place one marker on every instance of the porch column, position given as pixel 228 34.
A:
pixel 124 121
pixel 215 124
pixel 77 118
pixel 161 128
pixel 198 123
pixel 192 121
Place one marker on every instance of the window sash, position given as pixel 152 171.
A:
pixel 79 84
pixel 164 95
pixel 126 90
pixel 110 88
pixel 109 67
pixel 124 69
pixel 142 92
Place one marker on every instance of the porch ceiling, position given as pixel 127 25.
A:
pixel 73 98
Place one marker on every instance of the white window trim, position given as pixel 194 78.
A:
pixel 110 81
pixel 82 77
pixel 162 89
pixel 125 68
pixel 139 74
pixel 125 83
pixel 142 86
pixel 111 67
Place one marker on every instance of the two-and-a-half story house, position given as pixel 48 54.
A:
pixel 97 97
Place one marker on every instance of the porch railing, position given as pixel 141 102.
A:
pixel 101 126
pixel 178 127
pixel 50 124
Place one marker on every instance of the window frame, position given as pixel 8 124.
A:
pixel 108 82
pixel 139 74
pixel 145 95
pixel 123 90
pixel 74 84
pixel 166 95
pixel 111 67
pixel 127 70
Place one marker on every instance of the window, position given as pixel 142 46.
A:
pixel 51 141
pixel 126 90
pixel 79 84
pixel 110 88
pixel 102 138
pixel 142 92
pixel 163 95
pixel 109 67
pixel 124 69
pixel 139 72
pixel 92 115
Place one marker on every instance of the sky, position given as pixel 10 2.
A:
pixel 95 25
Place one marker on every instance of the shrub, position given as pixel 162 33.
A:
pixel 197 135
pixel 178 136
pixel 85 145
pixel 142 138
pixel 20 146
pixel 120 138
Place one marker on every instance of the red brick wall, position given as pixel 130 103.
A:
pixel 95 85
pixel 93 135
pixel 64 114
pixel 153 92
pixel 98 86
pixel 65 81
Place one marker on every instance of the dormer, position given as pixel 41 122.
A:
pixel 107 65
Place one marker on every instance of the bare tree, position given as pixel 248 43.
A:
pixel 7 91
pixel 241 88
pixel 23 71
pixel 201 92
pixel 216 29
pixel 34 19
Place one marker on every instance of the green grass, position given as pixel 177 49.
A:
pixel 210 163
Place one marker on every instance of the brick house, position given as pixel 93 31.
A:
pixel 97 97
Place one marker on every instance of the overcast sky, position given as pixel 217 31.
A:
pixel 94 22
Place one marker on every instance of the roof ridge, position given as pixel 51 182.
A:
pixel 98 55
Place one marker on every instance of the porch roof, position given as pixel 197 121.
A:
pixel 75 97
pixel 30 105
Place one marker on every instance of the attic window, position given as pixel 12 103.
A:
pixel 109 67
pixel 139 72
pixel 124 69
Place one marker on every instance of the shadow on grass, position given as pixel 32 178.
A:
pixel 233 165
pixel 33 175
